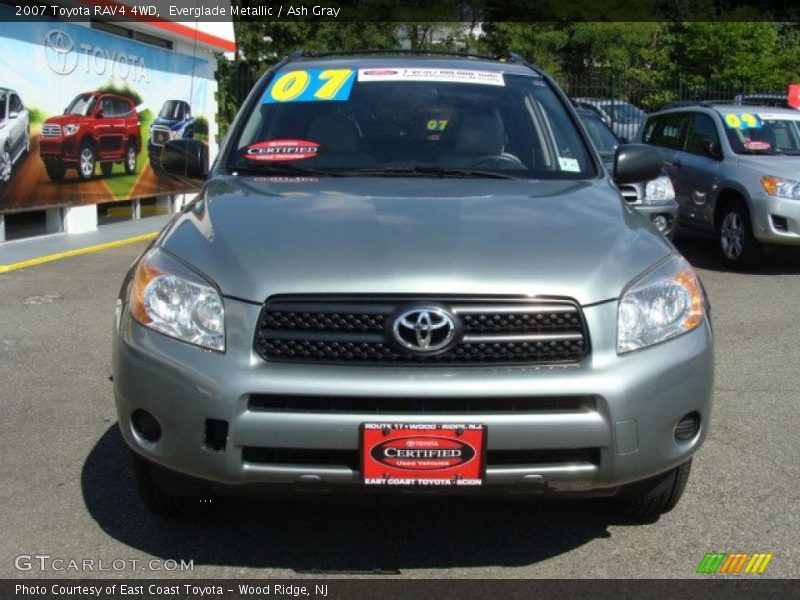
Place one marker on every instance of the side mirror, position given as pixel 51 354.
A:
pixel 635 163
pixel 713 150
pixel 185 158
pixel 100 114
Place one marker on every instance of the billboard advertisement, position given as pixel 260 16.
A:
pixel 84 114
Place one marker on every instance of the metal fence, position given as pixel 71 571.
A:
pixel 621 103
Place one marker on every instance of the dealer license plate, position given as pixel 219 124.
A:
pixel 423 454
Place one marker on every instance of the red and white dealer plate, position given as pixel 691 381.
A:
pixel 423 454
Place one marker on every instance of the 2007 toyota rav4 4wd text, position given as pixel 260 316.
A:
pixel 411 273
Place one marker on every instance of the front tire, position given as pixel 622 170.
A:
pixel 130 159
pixel 5 166
pixel 55 171
pixel 649 499
pixel 153 495
pixel 87 159
pixel 739 247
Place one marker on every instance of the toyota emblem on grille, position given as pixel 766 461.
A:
pixel 424 329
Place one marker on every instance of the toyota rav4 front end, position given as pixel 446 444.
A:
pixel 411 273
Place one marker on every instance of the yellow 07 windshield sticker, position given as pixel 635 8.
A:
pixel 310 85
pixel 743 121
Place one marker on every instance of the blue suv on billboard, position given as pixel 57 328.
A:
pixel 175 121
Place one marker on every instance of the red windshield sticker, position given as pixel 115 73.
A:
pixel 283 150
pixel 756 145
pixel 379 72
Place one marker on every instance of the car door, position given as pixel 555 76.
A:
pixel 18 124
pixel 698 170
pixel 110 128
pixel 666 132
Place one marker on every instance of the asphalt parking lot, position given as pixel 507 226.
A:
pixel 66 490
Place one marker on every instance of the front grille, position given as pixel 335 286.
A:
pixel 51 130
pixel 159 136
pixel 399 405
pixel 357 331
pixel 629 193
pixel 349 459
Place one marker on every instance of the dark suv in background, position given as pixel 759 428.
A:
pixel 95 128
pixel 175 121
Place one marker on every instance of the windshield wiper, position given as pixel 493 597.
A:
pixel 281 169
pixel 430 172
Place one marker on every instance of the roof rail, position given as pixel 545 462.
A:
pixel 410 51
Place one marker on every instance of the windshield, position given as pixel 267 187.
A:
pixel 420 121
pixel 622 112
pixel 763 133
pixel 602 137
pixel 171 110
pixel 82 105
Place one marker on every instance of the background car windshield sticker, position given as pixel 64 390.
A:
pixel 283 150
pixel 743 121
pixel 569 164
pixel 756 145
pixel 445 75
pixel 310 85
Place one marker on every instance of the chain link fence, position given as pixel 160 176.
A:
pixel 622 104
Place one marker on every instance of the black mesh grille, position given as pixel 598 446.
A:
pixel 357 331
pixel 417 405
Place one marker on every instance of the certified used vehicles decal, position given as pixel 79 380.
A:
pixel 430 454
pixel 445 75
pixel 283 150
pixel 310 85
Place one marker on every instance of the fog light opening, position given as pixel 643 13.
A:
pixel 146 425
pixel 687 427
pixel 662 222
pixel 216 435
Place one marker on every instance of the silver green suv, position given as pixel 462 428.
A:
pixel 736 171
pixel 411 273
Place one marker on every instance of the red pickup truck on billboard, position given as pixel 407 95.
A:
pixel 95 128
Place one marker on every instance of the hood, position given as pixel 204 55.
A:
pixel 259 237
pixel 171 123
pixel 67 119
pixel 779 166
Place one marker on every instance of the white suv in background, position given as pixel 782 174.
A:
pixel 15 132
pixel 736 171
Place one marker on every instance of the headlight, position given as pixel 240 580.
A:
pixel 171 298
pixel 71 129
pixel 780 187
pixel 174 134
pixel 659 190
pixel 664 303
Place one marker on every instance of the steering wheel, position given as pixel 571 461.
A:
pixel 500 161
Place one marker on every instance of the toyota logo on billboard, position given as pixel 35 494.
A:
pixel 60 52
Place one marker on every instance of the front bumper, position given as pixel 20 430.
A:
pixel 636 400
pixel 776 220
pixel 63 149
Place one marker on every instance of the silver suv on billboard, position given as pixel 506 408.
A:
pixel 15 133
